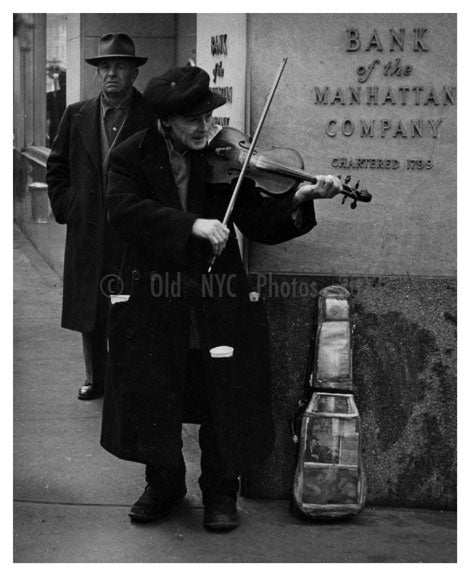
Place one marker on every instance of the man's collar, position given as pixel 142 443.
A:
pixel 169 143
pixel 106 105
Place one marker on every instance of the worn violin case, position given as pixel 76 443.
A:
pixel 329 480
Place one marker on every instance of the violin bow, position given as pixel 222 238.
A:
pixel 231 204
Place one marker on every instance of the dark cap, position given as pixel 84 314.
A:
pixel 114 46
pixel 183 91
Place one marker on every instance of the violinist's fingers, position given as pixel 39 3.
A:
pixel 332 186
pixel 320 185
pixel 218 247
pixel 222 247
pixel 221 234
pixel 218 238
pixel 212 230
pixel 303 193
pixel 325 187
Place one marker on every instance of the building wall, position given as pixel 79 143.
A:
pixel 397 255
pixel 410 226
pixel 28 203
pixel 186 25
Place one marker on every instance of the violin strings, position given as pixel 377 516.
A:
pixel 288 170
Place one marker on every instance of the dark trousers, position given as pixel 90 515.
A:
pixel 217 470
pixel 95 345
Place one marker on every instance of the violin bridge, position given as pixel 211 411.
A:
pixel 223 152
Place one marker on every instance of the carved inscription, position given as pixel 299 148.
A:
pixel 385 86
pixel 219 44
pixel 221 120
pixel 219 49
pixel 379 95
pixel 218 71
pixel 381 163
pixel 225 91
pixel 385 127
pixel 395 41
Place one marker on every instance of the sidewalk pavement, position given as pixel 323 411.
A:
pixel 72 497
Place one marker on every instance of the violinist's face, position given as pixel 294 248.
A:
pixel 189 131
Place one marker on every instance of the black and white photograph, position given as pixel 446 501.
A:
pixel 234 279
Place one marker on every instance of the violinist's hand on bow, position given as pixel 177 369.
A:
pixel 212 230
pixel 326 187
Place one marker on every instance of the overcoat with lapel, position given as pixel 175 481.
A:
pixel 165 273
pixel 75 180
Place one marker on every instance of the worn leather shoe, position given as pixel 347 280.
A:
pixel 220 512
pixel 90 391
pixel 153 506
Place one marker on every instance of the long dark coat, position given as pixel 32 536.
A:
pixel 75 180
pixel 148 335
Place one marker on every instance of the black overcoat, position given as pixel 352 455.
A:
pixel 164 273
pixel 75 181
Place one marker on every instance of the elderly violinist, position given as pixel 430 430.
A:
pixel 161 371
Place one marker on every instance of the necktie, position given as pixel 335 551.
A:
pixel 111 123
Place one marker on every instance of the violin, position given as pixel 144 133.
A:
pixel 276 170
pixel 241 153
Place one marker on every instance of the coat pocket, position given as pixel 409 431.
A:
pixel 119 317
pixel 70 202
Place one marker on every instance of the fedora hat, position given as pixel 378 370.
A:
pixel 114 46
pixel 183 91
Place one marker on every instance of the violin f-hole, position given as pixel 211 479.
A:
pixel 246 145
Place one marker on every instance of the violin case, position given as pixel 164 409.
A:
pixel 329 480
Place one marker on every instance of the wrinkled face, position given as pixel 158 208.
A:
pixel 189 131
pixel 116 76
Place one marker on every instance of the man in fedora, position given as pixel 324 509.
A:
pixel 76 176
pixel 166 362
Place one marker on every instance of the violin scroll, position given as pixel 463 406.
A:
pixel 353 192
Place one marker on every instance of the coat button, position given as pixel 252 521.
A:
pixel 129 333
pixel 135 275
